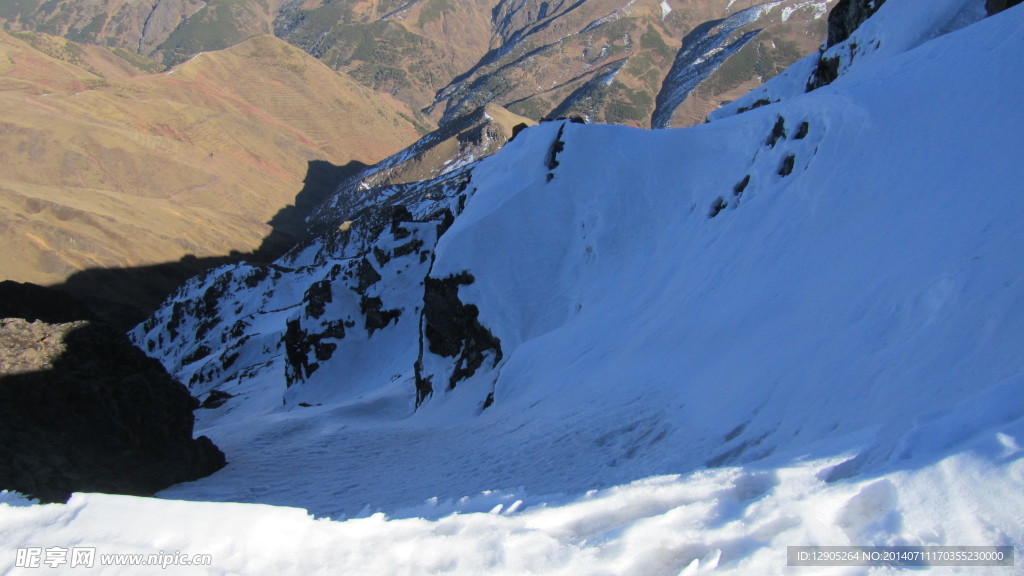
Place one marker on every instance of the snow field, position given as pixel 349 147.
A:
pixel 721 521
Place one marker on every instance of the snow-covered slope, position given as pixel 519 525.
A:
pixel 613 351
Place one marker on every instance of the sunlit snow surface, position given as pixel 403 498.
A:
pixel 834 358
pixel 723 521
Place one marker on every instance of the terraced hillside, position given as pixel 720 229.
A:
pixel 104 166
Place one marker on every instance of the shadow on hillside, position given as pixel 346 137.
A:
pixel 126 296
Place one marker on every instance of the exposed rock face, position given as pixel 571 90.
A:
pixel 83 410
pixel 452 329
pixel 845 17
pixel 995 6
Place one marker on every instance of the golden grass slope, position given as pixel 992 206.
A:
pixel 102 165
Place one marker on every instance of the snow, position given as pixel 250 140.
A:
pixel 721 521
pixel 831 359
pixel 896 28
pixel 818 8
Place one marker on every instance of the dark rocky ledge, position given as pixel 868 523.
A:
pixel 82 410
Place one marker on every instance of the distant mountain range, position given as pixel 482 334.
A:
pixel 612 60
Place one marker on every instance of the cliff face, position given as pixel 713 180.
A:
pixel 996 6
pixel 846 16
pixel 82 410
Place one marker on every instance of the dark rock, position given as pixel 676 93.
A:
pixel 717 206
pixel 398 215
pixel 367 274
pixel 787 165
pixel 447 220
pixel 201 351
pixel 82 410
pixel 256 275
pixel 778 132
pixel 452 328
pixel 802 131
pixel 996 6
pixel 408 248
pixel 215 399
pixel 297 345
pixel 738 189
pixel 424 383
pixel 32 302
pixel 376 317
pixel 382 256
pixel 556 147
pixel 517 129
pixel 825 72
pixel 846 16
pixel 757 104
pixel 317 296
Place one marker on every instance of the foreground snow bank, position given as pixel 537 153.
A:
pixel 726 521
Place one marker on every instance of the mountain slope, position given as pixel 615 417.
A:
pixel 604 59
pixel 138 26
pixel 609 60
pixel 139 169
pixel 684 255
pixel 170 31
pixel 608 350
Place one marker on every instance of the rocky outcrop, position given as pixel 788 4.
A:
pixel 82 410
pixel 845 17
pixel 996 6
pixel 452 330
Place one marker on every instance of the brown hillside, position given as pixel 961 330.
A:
pixel 130 170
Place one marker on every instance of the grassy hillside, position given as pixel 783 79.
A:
pixel 105 166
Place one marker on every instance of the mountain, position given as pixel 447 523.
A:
pixel 611 61
pixel 605 350
pixel 169 31
pixel 104 165
pixel 635 62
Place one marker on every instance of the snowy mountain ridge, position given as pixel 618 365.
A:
pixel 605 350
